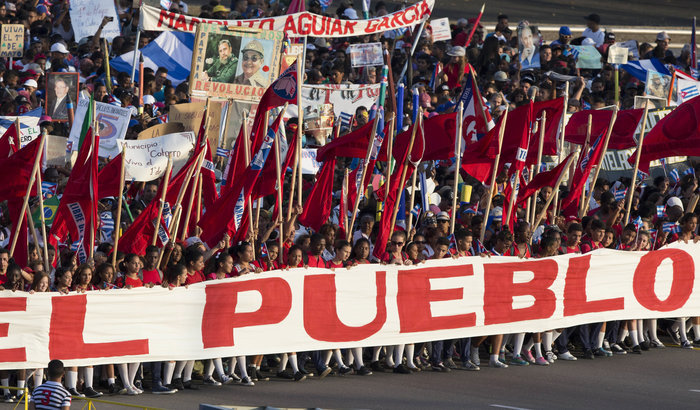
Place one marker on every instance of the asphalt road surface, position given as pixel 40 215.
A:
pixel 657 379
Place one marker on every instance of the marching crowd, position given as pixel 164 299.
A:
pixel 437 71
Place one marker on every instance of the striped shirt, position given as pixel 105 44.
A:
pixel 51 395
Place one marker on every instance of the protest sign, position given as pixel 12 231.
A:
pixel 528 47
pixel 12 44
pixel 113 122
pixel 61 95
pixel 294 25
pixel 86 17
pixel 146 160
pixel 235 65
pixel 632 48
pixel 366 54
pixel 56 150
pixel 190 115
pixel 588 57
pixel 368 305
pixel 344 97
pixel 617 55
pixel 28 126
pixel 169 127
pixel 309 165
pixel 658 85
pixel 441 29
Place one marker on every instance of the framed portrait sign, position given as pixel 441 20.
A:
pixel 234 63
pixel 61 95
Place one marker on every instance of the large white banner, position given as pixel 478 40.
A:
pixel 146 160
pixel 344 97
pixel 294 25
pixel 86 17
pixel 113 122
pixel 367 305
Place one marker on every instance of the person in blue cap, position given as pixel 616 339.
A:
pixel 564 37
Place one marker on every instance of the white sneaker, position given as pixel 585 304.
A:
pixel 132 391
pixel 549 356
pixel 247 382
pixel 211 382
pixel 606 345
pixel 475 357
pixel 567 356
pixel 497 364
pixel 226 380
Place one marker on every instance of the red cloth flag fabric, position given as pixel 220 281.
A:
pixel 9 142
pixel 228 214
pixel 352 144
pixel 109 177
pixel 440 130
pixel 581 174
pixel 296 6
pixel 267 182
pixel 555 111
pixel 677 134
pixel 622 136
pixel 208 176
pixel 21 254
pixel 19 166
pixel 477 158
pixel 318 205
pixel 402 157
pixel 77 213
pixel 516 140
pixel 543 179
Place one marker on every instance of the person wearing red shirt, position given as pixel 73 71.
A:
pixel 316 247
pixel 150 272
pixel 573 239
pixel 194 261
pixel 269 262
pixel 596 231
pixel 295 257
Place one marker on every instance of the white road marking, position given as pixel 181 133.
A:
pixel 508 407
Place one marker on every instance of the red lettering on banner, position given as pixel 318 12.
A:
pixel 15 354
pixel 319 31
pixel 349 27
pixel 321 312
pixel 384 24
pixel 681 287
pixel 220 318
pixel 414 297
pixel 66 333
pixel 165 15
pixel 395 19
pixel 575 299
pixel 193 22
pixel 410 15
pixel 337 27
pixel 181 23
pixel 371 26
pixel 500 289
pixel 270 23
pixel 290 25
pixel 304 28
pixel 424 10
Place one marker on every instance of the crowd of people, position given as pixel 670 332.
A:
pixel 437 70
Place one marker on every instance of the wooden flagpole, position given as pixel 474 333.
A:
pixel 25 203
pixel 280 180
pixel 117 224
pixel 344 193
pixel 543 213
pixel 195 184
pixel 162 200
pixel 602 157
pixel 630 189
pixel 540 148
pixel 389 153
pixel 560 145
pixel 43 218
pixel 409 225
pixel 494 173
pixel 300 124
pixel 458 164
pixel 513 195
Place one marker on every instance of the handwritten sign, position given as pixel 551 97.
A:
pixel 441 29
pixel 147 160
pixel 112 121
pixel 367 54
pixel 12 44
pixel 309 165
pixel 86 17
pixel 190 115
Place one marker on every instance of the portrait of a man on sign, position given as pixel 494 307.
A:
pixel 222 60
pixel 234 63
pixel 528 47
pixel 61 94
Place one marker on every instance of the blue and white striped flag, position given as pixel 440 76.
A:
pixel 639 69
pixel 674 176
pixel 660 211
pixel 637 222
pixel 171 49
pixel 106 226
pixel 48 188
pixel 416 211
pixel 689 171
pixel 222 152
pixel 671 227
pixel 620 194
pixel 345 120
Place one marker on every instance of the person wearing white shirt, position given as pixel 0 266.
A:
pixel 593 30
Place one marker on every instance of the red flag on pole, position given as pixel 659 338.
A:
pixel 543 179
pixel 622 136
pixel 9 142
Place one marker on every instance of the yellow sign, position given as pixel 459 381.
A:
pixel 12 44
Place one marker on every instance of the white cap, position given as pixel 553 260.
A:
pixel 674 201
pixel 149 99
pixel 59 48
pixel 588 42
pixel 350 13
pixel 191 241
pixel 31 83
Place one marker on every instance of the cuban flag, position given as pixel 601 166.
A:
pixel 660 211
pixel 687 89
pixel 671 227
pixel 638 69
pixel 106 226
pixel 472 119
pixel 689 171
pixel 637 222
pixel 222 152
pixel 453 242
pixel 433 79
pixel 263 250
pixel 162 119
pixel 171 49
pixel 620 194
pixel 589 154
pixel 345 120
pixel 48 188
pixel 474 209
pixel 674 175
pixel 480 247
pixel 416 211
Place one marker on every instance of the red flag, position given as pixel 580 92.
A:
pixel 208 176
pixel 516 140
pixel 21 254
pixel 622 136
pixel 77 213
pixel 582 172
pixel 477 158
pixel 109 178
pixel 352 144
pixel 227 214
pixel 19 166
pixel 677 134
pixel 402 156
pixel 543 179
pixel 296 6
pixel 440 129
pixel 317 207
pixel 555 111
pixel 9 142
pixel 267 181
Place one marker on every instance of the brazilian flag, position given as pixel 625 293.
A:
pixel 50 208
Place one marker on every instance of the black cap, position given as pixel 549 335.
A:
pixel 593 17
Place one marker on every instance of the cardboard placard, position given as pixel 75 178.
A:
pixel 366 54
pixel 86 17
pixel 12 44
pixel 56 150
pixel 190 115
pixel 617 55
pixel 146 160
pixel 161 129
pixel 441 29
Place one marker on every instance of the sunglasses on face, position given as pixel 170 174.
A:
pixel 254 59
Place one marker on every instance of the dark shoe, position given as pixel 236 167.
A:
pixel 344 370
pixel 588 354
pixel 324 372
pixel 91 393
pixel 363 371
pixel 177 383
pixel 440 368
pixel 599 353
pixel 305 372
pixel 138 384
pixel 299 376
pixel 252 373
pixel 247 382
pixel 285 375
pixel 637 350
pixel 74 392
pixel 696 343
pixel 376 367
pixel 160 389
pixel 402 369
pixel 190 386
pixel 260 377
pixel 644 345
pixel 450 364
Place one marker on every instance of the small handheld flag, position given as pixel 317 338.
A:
pixel 671 227
pixel 674 176
pixel 661 211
